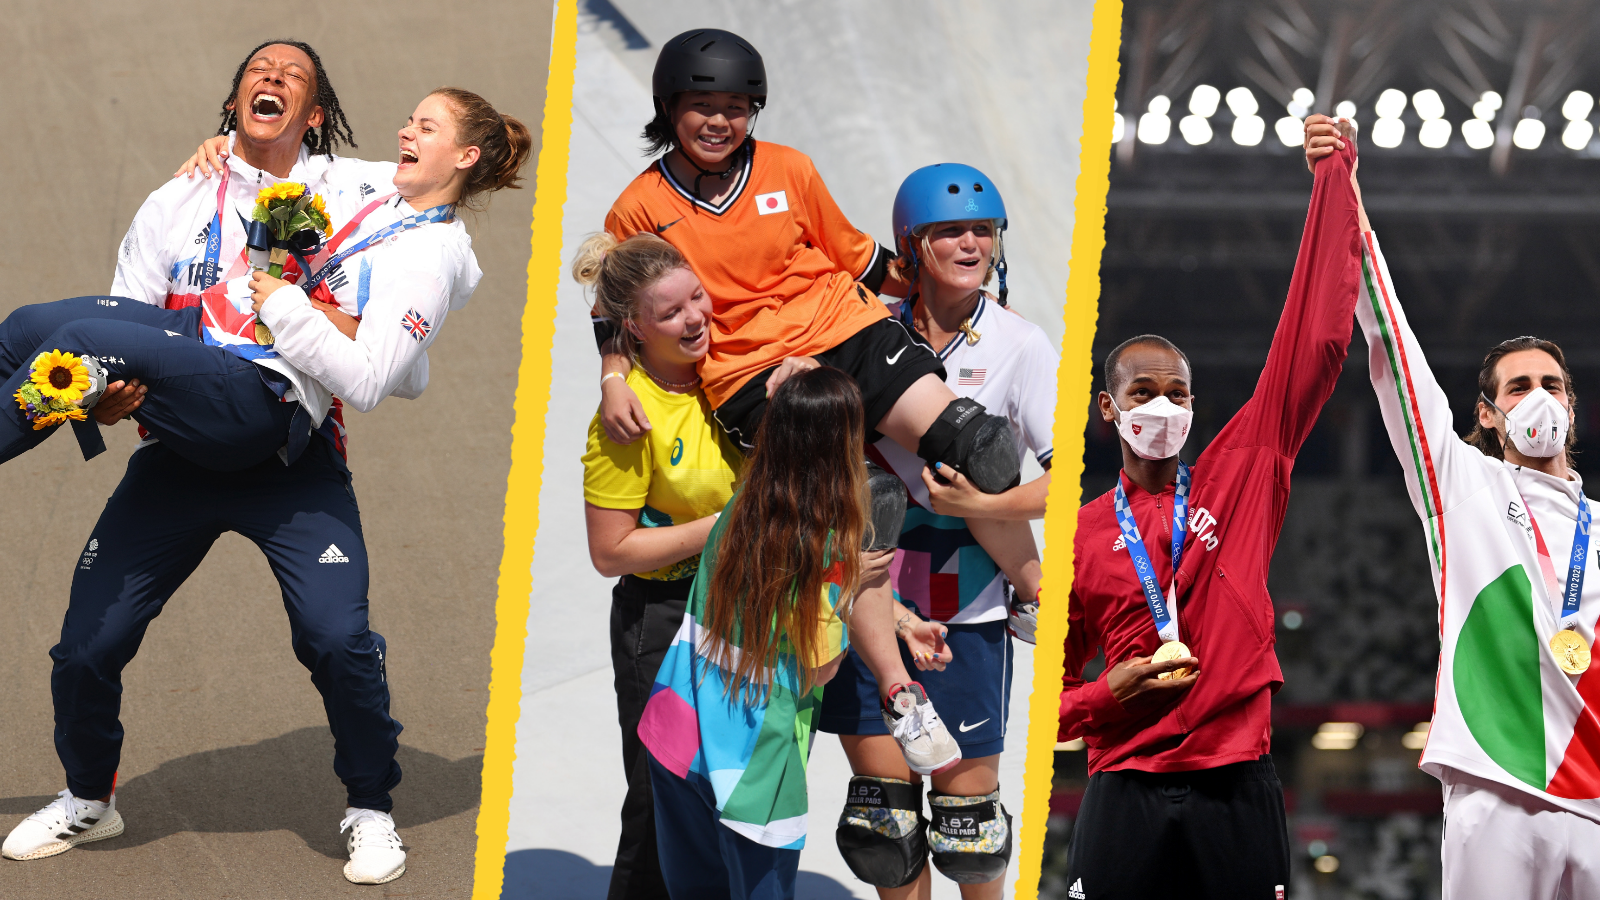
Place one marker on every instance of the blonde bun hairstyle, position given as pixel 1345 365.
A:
pixel 619 272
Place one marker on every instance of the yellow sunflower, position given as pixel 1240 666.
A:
pixel 60 376
pixel 56 418
pixel 283 190
pixel 322 210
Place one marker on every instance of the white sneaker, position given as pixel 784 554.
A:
pixel 375 853
pixel 926 743
pixel 64 824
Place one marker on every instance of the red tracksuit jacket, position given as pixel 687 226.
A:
pixel 1237 499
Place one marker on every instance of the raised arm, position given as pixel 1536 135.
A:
pixel 1313 334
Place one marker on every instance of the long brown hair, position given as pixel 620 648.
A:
pixel 1487 440
pixel 504 145
pixel 795 526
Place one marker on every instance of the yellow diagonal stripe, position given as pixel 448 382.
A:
pixel 527 458
pixel 1073 383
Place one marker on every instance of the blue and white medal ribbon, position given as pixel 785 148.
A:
pixel 1162 605
pixel 436 214
pixel 1572 597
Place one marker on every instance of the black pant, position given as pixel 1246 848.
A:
pixel 645 616
pixel 1210 834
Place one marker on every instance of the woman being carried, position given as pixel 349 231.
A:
pixel 226 394
pixel 792 282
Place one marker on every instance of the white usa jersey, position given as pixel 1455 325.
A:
pixel 1011 370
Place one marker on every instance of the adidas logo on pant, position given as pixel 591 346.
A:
pixel 1076 891
pixel 333 555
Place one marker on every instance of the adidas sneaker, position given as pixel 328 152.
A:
pixel 376 856
pixel 924 740
pixel 67 822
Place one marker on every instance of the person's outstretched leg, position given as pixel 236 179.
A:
pixel 208 405
pixel 27 327
pixel 305 519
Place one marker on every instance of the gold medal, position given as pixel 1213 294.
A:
pixel 263 334
pixel 1571 650
pixel 1177 650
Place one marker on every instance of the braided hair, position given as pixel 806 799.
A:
pixel 335 130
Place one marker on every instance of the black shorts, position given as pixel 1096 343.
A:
pixel 885 358
pixel 1211 834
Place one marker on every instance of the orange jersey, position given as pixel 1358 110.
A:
pixel 778 258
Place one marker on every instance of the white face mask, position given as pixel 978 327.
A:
pixel 1537 426
pixel 1155 430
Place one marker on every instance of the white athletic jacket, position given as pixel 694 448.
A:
pixel 1505 711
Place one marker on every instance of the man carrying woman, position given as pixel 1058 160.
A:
pixel 377 295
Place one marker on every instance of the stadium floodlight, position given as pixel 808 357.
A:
pixel 1345 110
pixel 1203 102
pixel 1428 104
pixel 1154 128
pixel 1195 129
pixel 1160 104
pixel 1491 101
pixel 1326 864
pixel 1118 128
pixel 1417 737
pixel 1291 131
pixel 1391 103
pixel 1478 133
pixel 1578 106
pixel 1247 130
pixel 1243 103
pixel 1435 134
pixel 1304 97
pixel 1529 134
pixel 1483 112
pixel 1337 735
pixel 1577 134
pixel 1388 133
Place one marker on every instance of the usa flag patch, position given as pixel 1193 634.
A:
pixel 971 377
pixel 416 324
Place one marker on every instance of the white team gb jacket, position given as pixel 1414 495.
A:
pixel 1505 710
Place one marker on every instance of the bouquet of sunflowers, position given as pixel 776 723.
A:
pixel 55 389
pixel 289 211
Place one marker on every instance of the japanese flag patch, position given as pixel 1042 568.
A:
pixel 415 324
pixel 775 202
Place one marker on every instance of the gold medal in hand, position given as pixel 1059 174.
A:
pixel 1571 650
pixel 263 334
pixel 1177 650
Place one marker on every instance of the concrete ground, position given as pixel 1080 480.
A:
pixel 870 92
pixel 226 780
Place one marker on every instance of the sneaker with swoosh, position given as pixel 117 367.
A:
pixel 924 740
pixel 67 822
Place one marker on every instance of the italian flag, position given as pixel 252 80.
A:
pixel 1504 709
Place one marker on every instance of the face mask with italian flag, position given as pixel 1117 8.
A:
pixel 1505 710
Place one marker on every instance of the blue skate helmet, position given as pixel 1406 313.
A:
pixel 947 192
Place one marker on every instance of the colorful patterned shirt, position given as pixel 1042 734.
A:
pixel 753 753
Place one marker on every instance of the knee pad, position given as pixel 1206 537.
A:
pixel 882 832
pixel 974 443
pixel 970 837
pixel 887 505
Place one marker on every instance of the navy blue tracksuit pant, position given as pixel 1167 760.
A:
pixel 154 532
pixel 205 403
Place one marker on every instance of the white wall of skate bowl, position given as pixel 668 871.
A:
pixel 870 93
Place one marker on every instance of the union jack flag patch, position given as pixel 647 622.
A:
pixel 971 376
pixel 416 324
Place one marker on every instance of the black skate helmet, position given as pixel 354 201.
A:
pixel 709 59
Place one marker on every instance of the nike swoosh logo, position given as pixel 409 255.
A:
pixel 966 728
pixel 891 360
pixel 661 228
